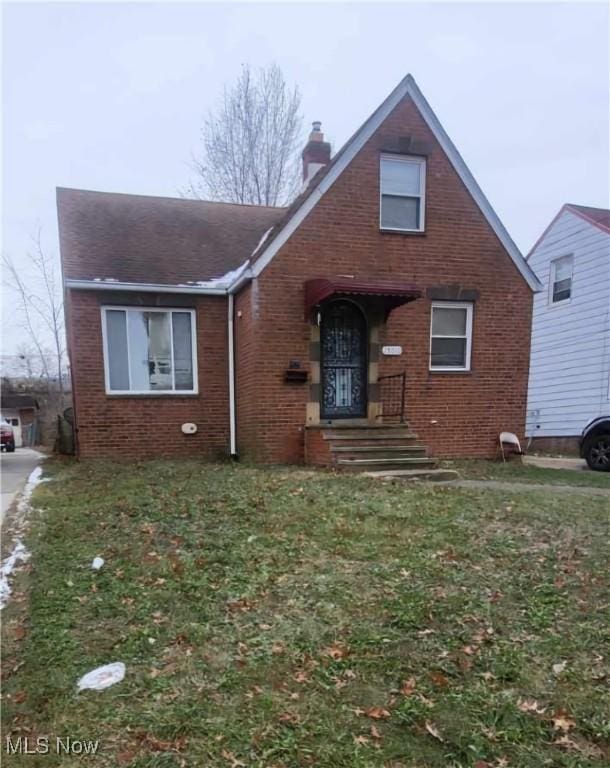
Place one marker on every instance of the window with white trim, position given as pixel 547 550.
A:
pixel 402 187
pixel 450 336
pixel 560 288
pixel 149 351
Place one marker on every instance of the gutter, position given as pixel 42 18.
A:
pixel 231 358
pixel 111 285
pixel 246 276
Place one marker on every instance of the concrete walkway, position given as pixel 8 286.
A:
pixel 556 462
pixel 504 485
pixel 16 468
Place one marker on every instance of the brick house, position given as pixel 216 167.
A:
pixel 388 292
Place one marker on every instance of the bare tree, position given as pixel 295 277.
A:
pixel 27 361
pixel 250 142
pixel 40 305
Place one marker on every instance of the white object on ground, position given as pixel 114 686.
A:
pixel 97 563
pixel 102 677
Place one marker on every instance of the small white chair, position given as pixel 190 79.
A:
pixel 509 438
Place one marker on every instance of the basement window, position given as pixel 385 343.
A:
pixel 450 336
pixel 402 187
pixel 149 351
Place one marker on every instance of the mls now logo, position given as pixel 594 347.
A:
pixel 64 745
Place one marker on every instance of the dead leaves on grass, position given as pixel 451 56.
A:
pixel 562 721
pixel 337 651
pixel 153 744
pixel 242 605
pixel 230 757
pixel 289 718
pixel 440 680
pixel 530 705
pixel 572 744
pixel 377 713
pixel 301 676
pixel 408 687
pixel 433 730
pixel 19 697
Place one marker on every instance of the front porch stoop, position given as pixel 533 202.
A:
pixel 383 450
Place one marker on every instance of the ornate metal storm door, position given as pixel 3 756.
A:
pixel 343 343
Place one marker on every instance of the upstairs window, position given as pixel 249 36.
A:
pixel 403 182
pixel 450 336
pixel 561 279
pixel 149 351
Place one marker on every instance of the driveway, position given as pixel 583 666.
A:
pixel 16 468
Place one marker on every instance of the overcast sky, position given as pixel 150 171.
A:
pixel 111 96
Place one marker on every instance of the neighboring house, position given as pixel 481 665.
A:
pixel 207 329
pixel 569 382
pixel 20 412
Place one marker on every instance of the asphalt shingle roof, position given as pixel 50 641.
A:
pixel 161 240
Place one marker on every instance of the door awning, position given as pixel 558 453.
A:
pixel 393 293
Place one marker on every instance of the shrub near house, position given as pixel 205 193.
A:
pixel 185 312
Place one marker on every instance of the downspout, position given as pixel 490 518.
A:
pixel 231 355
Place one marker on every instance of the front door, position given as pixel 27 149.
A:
pixel 343 365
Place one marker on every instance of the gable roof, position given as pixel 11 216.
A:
pixel 119 238
pixel 325 178
pixel 599 217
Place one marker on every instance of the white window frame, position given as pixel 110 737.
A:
pixel 552 281
pixel 151 392
pixel 468 306
pixel 413 160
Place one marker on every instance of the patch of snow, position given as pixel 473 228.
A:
pixel 224 281
pixel 262 241
pixel 19 554
pixel 34 479
pixel 102 677
pixel 97 563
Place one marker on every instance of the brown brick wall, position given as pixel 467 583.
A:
pixel 148 426
pixel 317 450
pixel 457 414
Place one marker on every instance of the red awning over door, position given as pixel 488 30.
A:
pixel 394 293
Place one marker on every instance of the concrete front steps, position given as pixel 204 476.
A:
pixel 436 475
pixel 382 450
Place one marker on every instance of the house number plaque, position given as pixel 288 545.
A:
pixel 392 350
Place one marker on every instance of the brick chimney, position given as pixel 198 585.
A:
pixel 316 153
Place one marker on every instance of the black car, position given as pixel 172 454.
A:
pixel 595 444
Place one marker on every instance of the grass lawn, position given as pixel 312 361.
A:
pixel 291 618
pixel 515 471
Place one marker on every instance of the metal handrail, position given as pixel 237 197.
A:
pixel 396 395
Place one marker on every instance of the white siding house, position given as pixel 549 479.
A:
pixel 569 380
